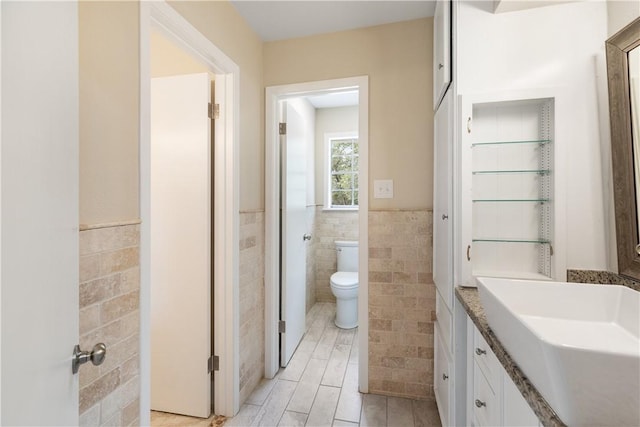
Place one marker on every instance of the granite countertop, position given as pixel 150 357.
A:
pixel 471 302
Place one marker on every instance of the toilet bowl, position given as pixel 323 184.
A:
pixel 344 284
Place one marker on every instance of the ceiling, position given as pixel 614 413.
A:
pixel 279 20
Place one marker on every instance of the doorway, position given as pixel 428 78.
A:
pixel 273 170
pixel 224 176
pixel 181 244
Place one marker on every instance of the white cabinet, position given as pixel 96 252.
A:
pixel 507 189
pixel 443 380
pixel 441 50
pixel 486 401
pixel 443 200
pixel 494 400
pixel 515 410
pixel 487 383
pixel 443 260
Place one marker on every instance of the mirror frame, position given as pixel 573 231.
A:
pixel 617 48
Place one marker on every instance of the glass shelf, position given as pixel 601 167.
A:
pixel 535 171
pixel 508 240
pixel 536 141
pixel 510 200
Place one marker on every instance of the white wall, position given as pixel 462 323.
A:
pixel 330 120
pixel 620 13
pixel 548 47
pixel 397 59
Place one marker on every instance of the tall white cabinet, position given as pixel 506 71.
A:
pixel 443 383
pixel 498 201
pixel 443 237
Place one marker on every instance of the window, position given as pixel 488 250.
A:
pixel 343 172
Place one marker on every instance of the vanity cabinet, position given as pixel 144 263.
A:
pixel 492 399
pixel 515 410
pixel 441 50
pixel 507 189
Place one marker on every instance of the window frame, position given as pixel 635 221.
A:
pixel 328 138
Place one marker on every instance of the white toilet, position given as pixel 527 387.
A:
pixel 344 284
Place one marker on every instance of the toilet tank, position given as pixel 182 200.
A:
pixel 347 252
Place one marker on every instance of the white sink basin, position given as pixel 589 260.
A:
pixel 579 345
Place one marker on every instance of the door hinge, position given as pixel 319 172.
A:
pixel 282 127
pixel 214 363
pixel 214 111
pixel 282 327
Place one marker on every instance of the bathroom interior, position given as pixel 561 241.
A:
pixel 508 132
pixel 318 224
pixel 506 215
pixel 330 123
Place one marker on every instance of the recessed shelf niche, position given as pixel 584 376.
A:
pixel 512 189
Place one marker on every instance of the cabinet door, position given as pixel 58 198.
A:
pixel 442 381
pixel 515 410
pixel 486 401
pixel 464 250
pixel 443 201
pixel 441 50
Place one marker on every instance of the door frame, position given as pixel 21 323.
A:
pixel 272 211
pixel 159 15
pixel 1 209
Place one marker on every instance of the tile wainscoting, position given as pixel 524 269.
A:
pixel 110 313
pixel 401 306
pixel 401 303
pixel 252 301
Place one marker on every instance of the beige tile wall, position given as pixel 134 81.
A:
pixel 251 301
pixel 401 303
pixel 330 226
pixel 109 313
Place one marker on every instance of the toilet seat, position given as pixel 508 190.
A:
pixel 345 279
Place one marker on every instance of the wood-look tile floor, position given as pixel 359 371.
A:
pixel 319 387
pixel 164 419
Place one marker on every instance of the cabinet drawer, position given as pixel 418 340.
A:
pixel 444 320
pixel 486 360
pixel 486 404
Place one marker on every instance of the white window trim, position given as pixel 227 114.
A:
pixel 328 137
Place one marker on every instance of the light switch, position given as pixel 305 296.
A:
pixel 383 189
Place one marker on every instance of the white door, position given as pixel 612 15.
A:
pixel 180 271
pixel 443 200
pixel 293 229
pixel 39 175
